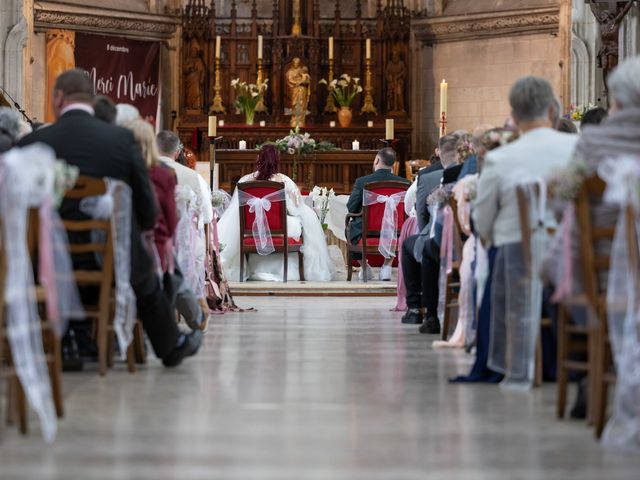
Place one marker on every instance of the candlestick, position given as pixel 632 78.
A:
pixel 330 107
pixel 368 106
pixel 260 107
pixel 389 129
pixel 330 48
pixel 212 126
pixel 368 49
pixel 217 46
pixel 216 105
pixel 259 47
pixel 212 156
pixel 443 96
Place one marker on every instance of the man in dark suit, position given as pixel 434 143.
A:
pixel 102 150
pixel 421 253
pixel 382 171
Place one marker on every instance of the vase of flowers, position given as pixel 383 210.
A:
pixel 344 91
pixel 248 96
pixel 321 203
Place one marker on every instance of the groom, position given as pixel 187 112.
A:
pixel 382 171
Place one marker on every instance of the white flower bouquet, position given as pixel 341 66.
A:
pixel 321 197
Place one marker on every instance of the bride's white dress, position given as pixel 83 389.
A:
pixel 301 221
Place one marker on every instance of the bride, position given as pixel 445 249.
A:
pixel 301 221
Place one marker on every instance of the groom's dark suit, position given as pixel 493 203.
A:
pixel 102 150
pixel 354 205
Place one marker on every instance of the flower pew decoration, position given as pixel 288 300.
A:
pixel 248 96
pixel 321 197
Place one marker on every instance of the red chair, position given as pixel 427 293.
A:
pixel 372 216
pixel 276 217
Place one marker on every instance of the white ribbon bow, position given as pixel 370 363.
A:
pixel 260 228
pixel 388 229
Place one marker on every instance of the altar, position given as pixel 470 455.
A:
pixel 335 169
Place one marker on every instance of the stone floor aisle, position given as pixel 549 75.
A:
pixel 309 389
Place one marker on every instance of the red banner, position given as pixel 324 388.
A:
pixel 127 71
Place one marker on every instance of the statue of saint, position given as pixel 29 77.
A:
pixel 298 85
pixel 194 75
pixel 609 23
pixel 395 73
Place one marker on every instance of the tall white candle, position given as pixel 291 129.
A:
pixel 217 46
pixel 212 126
pixel 389 127
pixel 259 47
pixel 368 49
pixel 330 48
pixel 443 97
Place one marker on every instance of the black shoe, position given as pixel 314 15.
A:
pixel 71 359
pixel 412 317
pixel 579 410
pixel 430 325
pixel 189 348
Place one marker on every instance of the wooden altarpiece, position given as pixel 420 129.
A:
pixel 388 30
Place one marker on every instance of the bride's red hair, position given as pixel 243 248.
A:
pixel 268 162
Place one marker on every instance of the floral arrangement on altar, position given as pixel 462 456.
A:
pixel 577 112
pixel 322 196
pixel 344 89
pixel 248 96
pixel 297 143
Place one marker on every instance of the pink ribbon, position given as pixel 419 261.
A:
pixel 46 267
pixel 446 244
pixel 564 286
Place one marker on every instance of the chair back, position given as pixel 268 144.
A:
pixel 276 215
pixel 595 260
pixel 412 167
pixel 372 215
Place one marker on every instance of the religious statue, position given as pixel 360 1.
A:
pixel 395 73
pixel 194 71
pixel 609 20
pixel 298 84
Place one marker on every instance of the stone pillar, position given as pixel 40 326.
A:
pixel 13 39
pixel 629 39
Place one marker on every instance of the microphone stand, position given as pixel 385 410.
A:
pixel 17 106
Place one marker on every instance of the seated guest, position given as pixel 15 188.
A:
pixel 421 253
pixel 105 109
pixel 616 136
pixel 512 313
pixel 300 218
pixel 101 150
pixel 169 148
pixel 9 129
pixel 163 178
pixel 382 171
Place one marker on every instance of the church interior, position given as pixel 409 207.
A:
pixel 314 146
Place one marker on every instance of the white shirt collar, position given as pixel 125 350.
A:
pixel 78 106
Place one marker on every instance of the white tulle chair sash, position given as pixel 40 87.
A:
pixel 389 228
pixel 189 239
pixel 259 206
pixel 116 205
pixel 622 431
pixel 517 298
pixel 27 181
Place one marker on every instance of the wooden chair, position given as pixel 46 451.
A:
pixel 412 167
pixel 524 199
pixel 372 216
pixel 101 279
pixel 452 282
pixel 277 219
pixel 580 339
